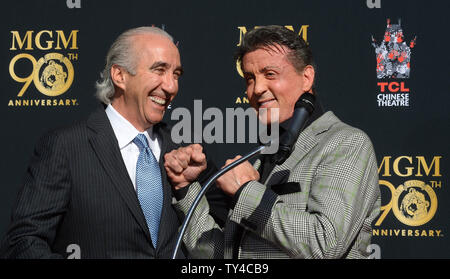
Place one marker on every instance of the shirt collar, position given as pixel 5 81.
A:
pixel 125 131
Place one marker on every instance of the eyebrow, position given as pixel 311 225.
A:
pixel 165 65
pixel 268 68
pixel 263 70
pixel 160 64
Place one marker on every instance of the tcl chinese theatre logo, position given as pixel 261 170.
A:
pixel 393 56
pixel 44 59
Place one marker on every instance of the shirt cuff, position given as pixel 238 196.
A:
pixel 181 193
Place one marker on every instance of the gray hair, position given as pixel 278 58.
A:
pixel 122 53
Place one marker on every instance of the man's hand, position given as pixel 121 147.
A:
pixel 184 165
pixel 232 180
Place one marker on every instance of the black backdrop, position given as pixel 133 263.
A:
pixel 410 141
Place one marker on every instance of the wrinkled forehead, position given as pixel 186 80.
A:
pixel 151 40
pixel 156 47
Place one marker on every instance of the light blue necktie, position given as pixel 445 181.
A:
pixel 149 186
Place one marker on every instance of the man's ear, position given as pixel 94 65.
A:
pixel 308 78
pixel 118 76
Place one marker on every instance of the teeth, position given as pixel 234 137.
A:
pixel 265 102
pixel 158 100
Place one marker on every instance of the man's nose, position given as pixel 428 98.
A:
pixel 260 86
pixel 170 84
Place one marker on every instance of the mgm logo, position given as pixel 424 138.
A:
pixel 52 74
pixel 414 202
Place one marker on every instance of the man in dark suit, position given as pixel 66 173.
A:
pixel 98 187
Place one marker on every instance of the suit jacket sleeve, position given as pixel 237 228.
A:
pixel 343 191
pixel 203 238
pixel 41 202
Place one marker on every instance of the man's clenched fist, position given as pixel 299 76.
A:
pixel 233 179
pixel 184 165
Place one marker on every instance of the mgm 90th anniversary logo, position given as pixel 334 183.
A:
pixel 414 202
pixel 43 58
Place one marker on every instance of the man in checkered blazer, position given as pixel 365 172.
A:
pixel 319 203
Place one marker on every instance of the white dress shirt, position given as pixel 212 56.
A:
pixel 125 133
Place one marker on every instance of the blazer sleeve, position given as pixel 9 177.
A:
pixel 203 238
pixel 344 192
pixel 41 202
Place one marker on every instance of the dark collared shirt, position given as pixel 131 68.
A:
pixel 267 162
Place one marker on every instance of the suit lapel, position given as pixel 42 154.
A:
pixel 166 145
pixel 106 148
pixel 304 144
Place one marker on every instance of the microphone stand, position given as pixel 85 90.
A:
pixel 202 192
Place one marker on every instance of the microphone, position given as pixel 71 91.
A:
pixel 302 110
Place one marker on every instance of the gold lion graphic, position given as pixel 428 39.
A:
pixel 414 206
pixel 53 76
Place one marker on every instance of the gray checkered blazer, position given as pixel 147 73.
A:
pixel 319 203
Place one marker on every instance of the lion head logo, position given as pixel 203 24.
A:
pixel 414 205
pixel 53 76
